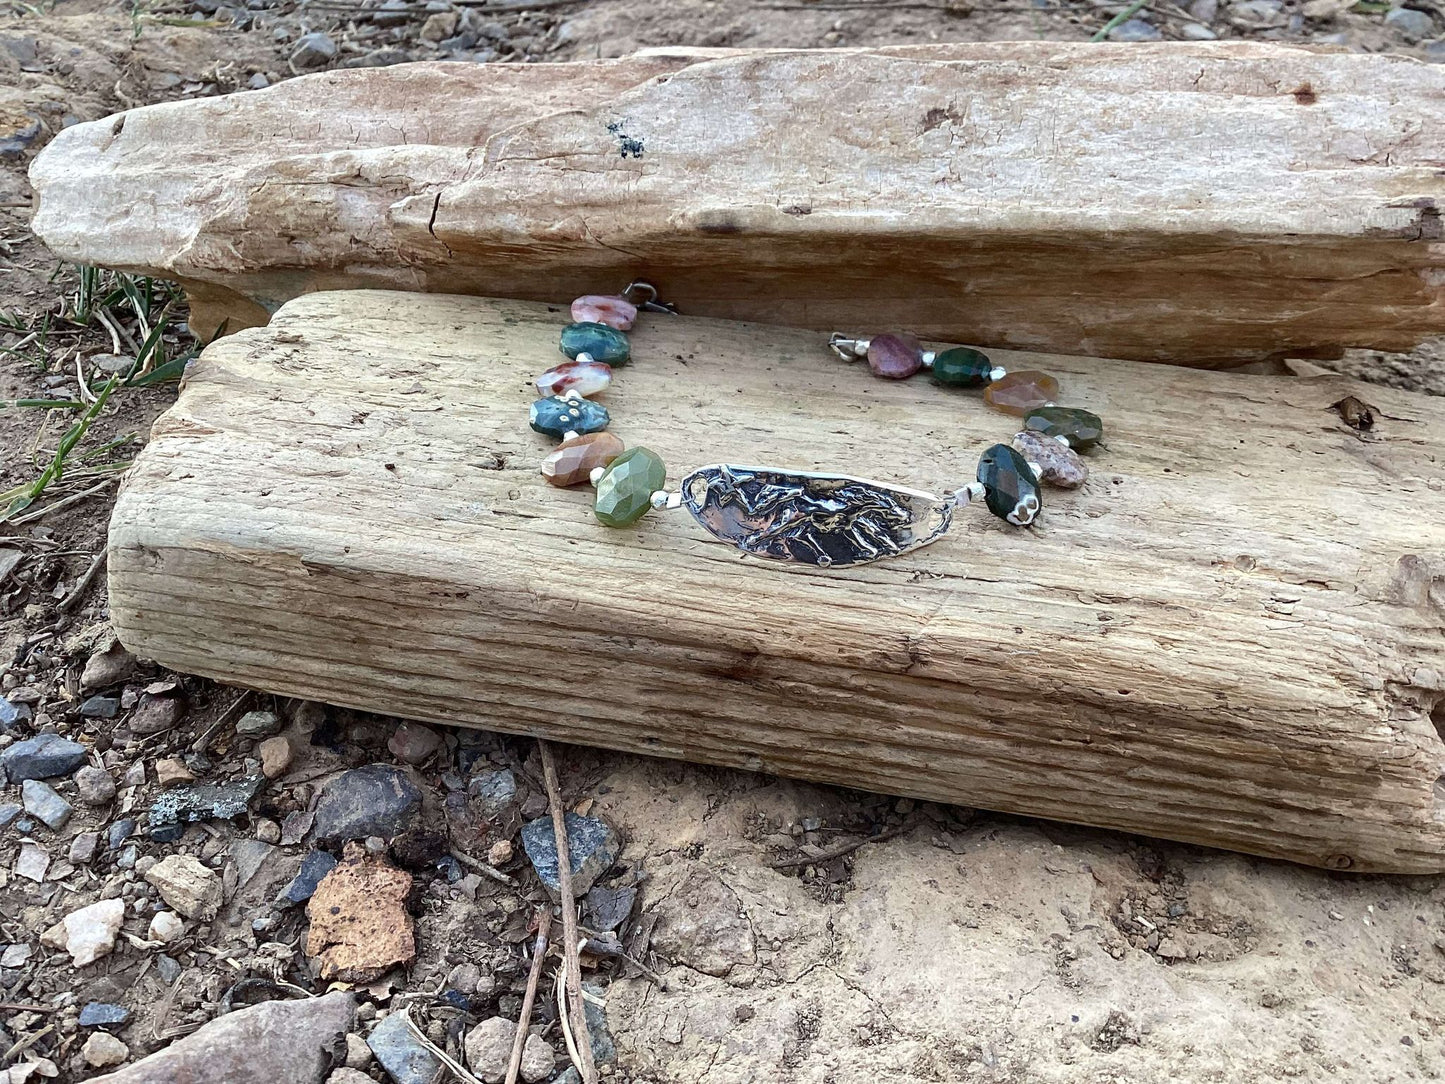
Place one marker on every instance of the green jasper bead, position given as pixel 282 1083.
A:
pixel 624 492
pixel 1081 428
pixel 962 367
pixel 603 343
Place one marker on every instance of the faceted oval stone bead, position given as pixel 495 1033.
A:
pixel 584 378
pixel 962 367
pixel 1019 393
pixel 894 357
pixel 603 343
pixel 557 416
pixel 616 312
pixel 575 460
pixel 1010 489
pixel 1081 428
pixel 1062 466
pixel 624 492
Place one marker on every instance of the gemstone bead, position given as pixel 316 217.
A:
pixel 1019 393
pixel 582 378
pixel 624 492
pixel 894 357
pixel 603 343
pixel 576 459
pixel 615 312
pixel 557 416
pixel 1010 488
pixel 1062 466
pixel 1081 428
pixel 962 367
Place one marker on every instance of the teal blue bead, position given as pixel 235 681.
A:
pixel 962 367
pixel 603 343
pixel 1081 428
pixel 557 416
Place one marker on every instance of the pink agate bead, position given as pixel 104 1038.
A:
pixel 894 357
pixel 584 378
pixel 615 312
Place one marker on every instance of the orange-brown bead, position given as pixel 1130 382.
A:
pixel 1018 393
pixel 575 460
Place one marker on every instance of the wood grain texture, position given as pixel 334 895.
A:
pixel 1232 635
pixel 1203 203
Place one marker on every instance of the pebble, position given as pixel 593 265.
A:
pixel 168 969
pixel 88 933
pixel 494 792
pixel 1410 24
pixel 41 801
pixel 358 1054
pixel 391 13
pixel 248 855
pixel 83 848
pixel 1435 51
pixel 12 715
pixel 1135 30
pixel 44 756
pixel 1196 32
pixel 404 1059
pixel 464 978
pixel 16 955
pixel 592 846
pixel 165 927
pixel 538 1059
pixel 314 50
pixel 107 667
pixel 8 812
pixel 412 743
pixel 119 832
pixel 500 852
pixel 187 885
pixel 94 786
pixel 275 756
pixel 373 800
pixel 489 1048
pixel 439 26
pixel 104 1051
pixel 157 714
pixel 103 1014
pixel 608 908
pixel 100 707
pixel 268 831
pixel 32 863
pixel 172 772
pixel 258 724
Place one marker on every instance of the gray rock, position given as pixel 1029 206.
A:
pixel 570 1076
pixel 1435 51
pixel 392 13
pixel 405 1060
pixel 314 50
pixel 607 908
pixel 83 848
pixel 379 58
pixel 604 1050
pixel 248 854
pixel 1256 14
pixel 1410 24
pixel 119 832
pixel 43 803
pixel 8 812
pixel 489 1048
pixel 314 866
pixel 15 142
pixel 44 756
pixel 100 707
pixel 169 970
pixel 275 1042
pixel 94 786
pixel 1196 32
pixel 1135 30
pixel 1206 11
pixel 373 800
pixel 494 792
pixel 258 82
pixel 201 801
pixel 103 1014
pixel 107 667
pixel 592 847
pixel 260 724
pixel 13 716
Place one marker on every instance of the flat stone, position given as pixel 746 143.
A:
pixel 1018 393
pixel 202 801
pixel 258 724
pixel 104 1051
pixel 187 885
pixel 107 667
pixel 573 462
pixel 43 803
pixel 399 1053
pixel 1411 24
pixel 16 955
pixel 1061 465
pixel 373 800
pixel 607 908
pixel 13 715
pixel 489 1048
pixel 172 772
pixel 119 832
pixel 100 707
pixel 169 969
pixel 165 927
pixel 8 812
pixel 1081 428
pixel 1136 30
pixel 894 357
pixel 592 846
pixel 413 743
pixel 494 792
pixel 314 50
pixel 155 714
pixel 314 867
pixel 249 854
pixel 44 756
pixel 88 933
pixel 360 927
pixel 538 1059
pixel 358 1053
pixel 83 848
pixel 32 862
pixel 103 1014
pixel 615 312
pixel 961 367
pixel 94 786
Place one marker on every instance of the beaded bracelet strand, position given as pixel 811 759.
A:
pixel 828 520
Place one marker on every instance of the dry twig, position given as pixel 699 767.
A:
pixel 539 957
pixel 840 850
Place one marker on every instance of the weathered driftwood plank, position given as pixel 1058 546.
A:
pixel 1231 635
pixel 1198 203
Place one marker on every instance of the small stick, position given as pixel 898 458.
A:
pixel 64 502
pixel 71 599
pixel 479 866
pixel 841 850
pixel 586 1066
pixel 539 957
pixel 233 712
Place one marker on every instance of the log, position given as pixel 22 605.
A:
pixel 1205 204
pixel 1232 635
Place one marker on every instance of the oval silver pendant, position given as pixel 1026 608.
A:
pixel 829 520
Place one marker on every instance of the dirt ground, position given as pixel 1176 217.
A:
pixel 967 946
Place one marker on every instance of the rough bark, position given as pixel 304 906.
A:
pixel 1232 635
pixel 1196 203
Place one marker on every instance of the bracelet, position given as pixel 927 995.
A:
pixel 827 520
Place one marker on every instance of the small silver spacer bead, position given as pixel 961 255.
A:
pixel 585 358
pixel 927 358
pixel 1036 468
pixel 596 475
pixel 659 499
pixel 1051 403
pixel 1064 441
pixel 974 491
pixel 997 373
pixel 571 434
